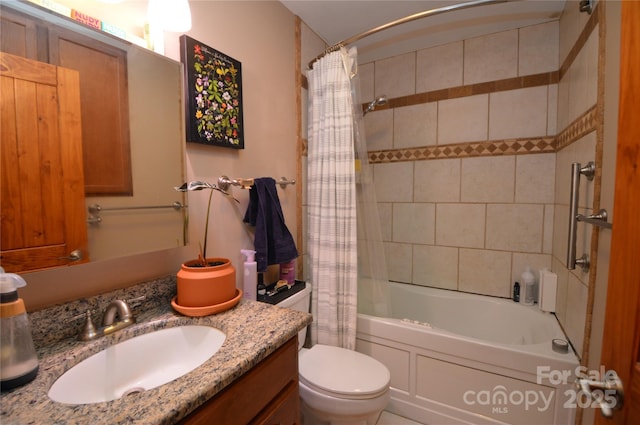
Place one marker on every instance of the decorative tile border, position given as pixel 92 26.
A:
pixel 577 129
pixel 582 126
pixel 465 150
pixel 515 83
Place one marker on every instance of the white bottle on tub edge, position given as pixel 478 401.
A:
pixel 527 290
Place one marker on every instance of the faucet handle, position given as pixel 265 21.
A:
pixel 134 302
pixel 88 331
pixel 82 315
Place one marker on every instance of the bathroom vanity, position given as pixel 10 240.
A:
pixel 267 394
pixel 252 378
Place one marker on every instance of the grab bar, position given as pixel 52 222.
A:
pixel 599 219
pixel 588 171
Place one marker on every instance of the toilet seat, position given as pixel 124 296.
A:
pixel 343 373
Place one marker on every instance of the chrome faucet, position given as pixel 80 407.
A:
pixel 115 308
pixel 121 308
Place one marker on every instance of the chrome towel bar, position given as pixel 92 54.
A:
pixel 96 209
pixel 224 182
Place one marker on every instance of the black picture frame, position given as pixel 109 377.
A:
pixel 213 90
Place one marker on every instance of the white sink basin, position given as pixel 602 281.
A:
pixel 138 364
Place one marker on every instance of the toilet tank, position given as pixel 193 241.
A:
pixel 299 301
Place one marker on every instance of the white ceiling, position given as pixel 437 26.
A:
pixel 337 20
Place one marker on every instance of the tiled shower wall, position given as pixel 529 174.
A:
pixel 579 139
pixel 474 215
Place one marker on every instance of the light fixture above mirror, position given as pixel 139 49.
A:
pixel 170 15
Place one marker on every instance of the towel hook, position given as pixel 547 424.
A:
pixel 283 182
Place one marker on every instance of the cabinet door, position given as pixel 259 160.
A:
pixel 283 410
pixel 42 184
pixel 266 393
pixel 104 106
pixel 103 92
pixel 19 35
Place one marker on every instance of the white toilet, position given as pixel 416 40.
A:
pixel 337 386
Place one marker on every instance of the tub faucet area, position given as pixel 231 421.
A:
pixel 116 308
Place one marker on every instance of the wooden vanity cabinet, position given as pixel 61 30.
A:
pixel 266 395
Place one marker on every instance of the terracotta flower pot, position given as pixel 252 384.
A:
pixel 206 286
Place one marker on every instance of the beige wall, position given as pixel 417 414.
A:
pixel 260 35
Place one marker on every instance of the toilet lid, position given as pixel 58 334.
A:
pixel 341 371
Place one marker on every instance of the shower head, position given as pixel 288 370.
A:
pixel 382 100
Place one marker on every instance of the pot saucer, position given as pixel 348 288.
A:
pixel 207 310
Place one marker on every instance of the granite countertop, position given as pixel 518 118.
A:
pixel 253 331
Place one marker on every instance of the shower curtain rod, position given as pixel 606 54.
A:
pixel 404 20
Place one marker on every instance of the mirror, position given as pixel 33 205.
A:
pixel 126 225
pixel 155 111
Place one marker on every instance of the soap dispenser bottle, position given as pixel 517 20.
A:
pixel 18 359
pixel 250 276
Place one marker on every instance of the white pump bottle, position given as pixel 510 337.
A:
pixel 250 276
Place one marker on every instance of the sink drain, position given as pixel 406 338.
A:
pixel 134 390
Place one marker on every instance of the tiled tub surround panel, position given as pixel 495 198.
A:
pixel 471 224
pixel 573 285
pixel 504 56
pixel 432 175
pixel 253 329
pixel 463 202
pixel 497 92
pixel 524 113
pixel 580 141
pixel 490 196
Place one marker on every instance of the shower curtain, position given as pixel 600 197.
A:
pixel 346 256
pixel 332 234
pixel 373 280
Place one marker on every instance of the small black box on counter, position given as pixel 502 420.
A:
pixel 275 293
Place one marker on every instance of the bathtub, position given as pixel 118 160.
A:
pixel 458 358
